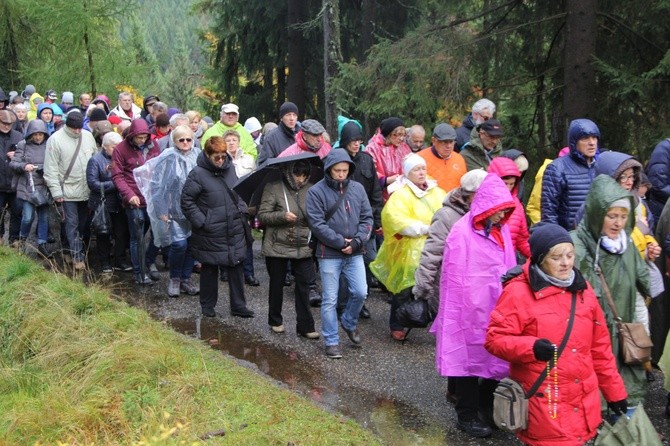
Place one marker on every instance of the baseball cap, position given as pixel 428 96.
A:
pixel 492 127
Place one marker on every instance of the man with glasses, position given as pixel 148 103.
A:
pixel 482 111
pixel 484 145
pixel 9 138
pixel 230 120
pixel 135 150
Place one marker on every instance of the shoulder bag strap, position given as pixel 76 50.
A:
pixel 72 161
pixel 333 209
pixel 561 347
pixel 606 291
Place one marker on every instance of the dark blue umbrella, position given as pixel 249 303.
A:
pixel 250 187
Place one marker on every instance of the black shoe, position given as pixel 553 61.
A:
pixel 244 312
pixel 365 313
pixel 107 268
pixel 146 281
pixel 208 312
pixel 123 266
pixel 287 279
pixel 223 276
pixel 152 272
pixel 46 252
pixel 251 281
pixel 314 297
pixel 475 428
pixel 354 336
pixel 374 283
pixel 51 239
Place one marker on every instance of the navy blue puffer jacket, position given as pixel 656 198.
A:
pixel 567 180
pixel 658 171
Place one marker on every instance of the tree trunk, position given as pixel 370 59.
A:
pixel 12 60
pixel 295 87
pixel 580 48
pixel 368 18
pixel 332 56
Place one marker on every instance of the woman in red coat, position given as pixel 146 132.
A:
pixel 528 324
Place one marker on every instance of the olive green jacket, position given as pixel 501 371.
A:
pixel 281 238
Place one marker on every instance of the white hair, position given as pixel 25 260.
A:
pixel 484 104
pixel 111 138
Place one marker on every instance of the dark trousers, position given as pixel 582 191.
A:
pixel 8 199
pixel 119 235
pixel 303 270
pixel 249 261
pixel 474 394
pixel 76 222
pixel 209 286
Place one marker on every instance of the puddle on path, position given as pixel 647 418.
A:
pixel 395 423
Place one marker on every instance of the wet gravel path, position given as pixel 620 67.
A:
pixel 387 386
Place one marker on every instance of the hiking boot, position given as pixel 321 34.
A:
pixel 107 268
pixel 46 252
pixel 189 287
pixel 353 335
pixel 153 273
pixel 173 287
pixel 333 351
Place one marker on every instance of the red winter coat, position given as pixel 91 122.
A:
pixel 586 365
pixel 505 167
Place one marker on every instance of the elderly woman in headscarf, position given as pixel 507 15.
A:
pixel 161 181
pixel 602 239
pixel 478 251
pixel 406 218
pixel 531 319
pixel 286 238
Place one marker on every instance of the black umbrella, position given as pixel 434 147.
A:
pixel 250 187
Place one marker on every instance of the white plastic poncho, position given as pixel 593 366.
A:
pixel 161 180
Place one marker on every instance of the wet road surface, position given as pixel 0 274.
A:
pixel 389 387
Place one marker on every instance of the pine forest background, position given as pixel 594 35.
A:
pixel 426 61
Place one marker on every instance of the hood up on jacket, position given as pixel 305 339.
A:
pixel 604 191
pixel 505 167
pixel 491 197
pixel 350 131
pixel 36 126
pixel 137 127
pixel 338 156
pixel 581 128
pixel 614 163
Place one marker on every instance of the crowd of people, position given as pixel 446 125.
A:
pixel 444 220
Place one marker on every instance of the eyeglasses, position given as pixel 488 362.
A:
pixel 217 156
pixel 398 133
pixel 625 178
pixel 184 140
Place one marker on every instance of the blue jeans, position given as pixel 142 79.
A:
pixel 27 221
pixel 138 225
pixel 76 217
pixel 180 260
pixel 353 269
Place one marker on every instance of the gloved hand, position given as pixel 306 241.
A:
pixel 618 407
pixel 543 350
pixel 416 229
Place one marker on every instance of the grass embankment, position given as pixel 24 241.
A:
pixel 78 367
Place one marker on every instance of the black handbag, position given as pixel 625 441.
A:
pixel 414 313
pixel 36 197
pixel 101 221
